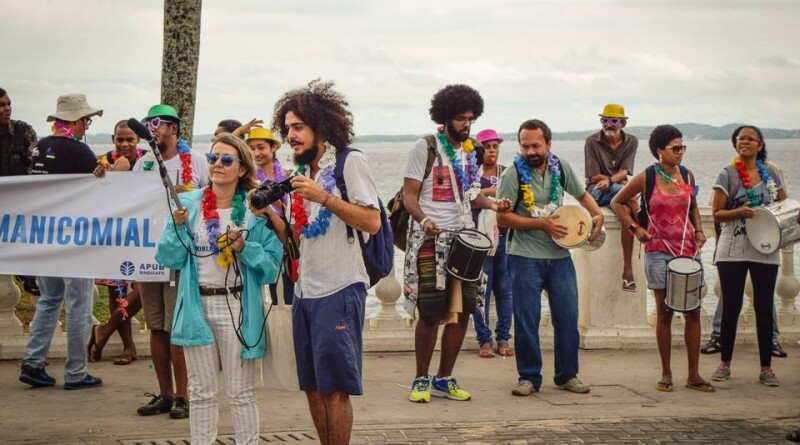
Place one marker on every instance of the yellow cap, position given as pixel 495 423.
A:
pixel 263 133
pixel 614 110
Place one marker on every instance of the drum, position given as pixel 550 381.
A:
pixel 774 226
pixel 579 227
pixel 467 254
pixel 684 283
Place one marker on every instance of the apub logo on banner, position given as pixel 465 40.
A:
pixel 82 226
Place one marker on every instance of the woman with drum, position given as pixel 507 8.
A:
pixel 748 182
pixel 670 231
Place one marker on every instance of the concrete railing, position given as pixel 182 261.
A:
pixel 608 316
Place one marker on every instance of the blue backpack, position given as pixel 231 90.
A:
pixel 378 251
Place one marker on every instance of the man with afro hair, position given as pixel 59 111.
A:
pixel 438 196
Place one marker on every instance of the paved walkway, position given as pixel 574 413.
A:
pixel 622 408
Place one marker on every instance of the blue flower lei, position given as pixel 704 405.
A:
pixel 468 177
pixel 320 225
pixel 529 199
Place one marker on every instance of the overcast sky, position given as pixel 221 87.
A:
pixel 712 62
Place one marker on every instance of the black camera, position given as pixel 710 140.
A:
pixel 270 191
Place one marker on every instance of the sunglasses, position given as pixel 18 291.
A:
pixel 227 160
pixel 676 148
pixel 613 120
pixel 156 122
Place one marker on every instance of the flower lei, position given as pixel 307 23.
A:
pixel 122 304
pixel 218 242
pixel 528 198
pixel 469 177
pixel 64 128
pixel 185 153
pixel 747 182
pixel 115 156
pixel 321 223
pixel 669 178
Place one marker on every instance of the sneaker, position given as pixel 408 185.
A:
pixel 28 284
pixel 448 387
pixel 36 377
pixel 768 378
pixel 421 389
pixel 87 382
pixel 712 347
pixel 575 385
pixel 721 374
pixel 180 408
pixel 777 350
pixel 524 388
pixel 157 405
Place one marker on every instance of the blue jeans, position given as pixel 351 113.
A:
pixel 77 294
pixel 529 277
pixel 604 198
pixel 716 324
pixel 499 282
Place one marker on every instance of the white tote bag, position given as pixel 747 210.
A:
pixel 280 367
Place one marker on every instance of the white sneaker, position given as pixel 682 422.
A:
pixel 575 385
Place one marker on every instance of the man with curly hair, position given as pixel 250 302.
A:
pixel 328 310
pixel 438 197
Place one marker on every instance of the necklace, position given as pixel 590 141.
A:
pixel 322 222
pixel 747 182
pixel 528 197
pixel 469 176
pixel 115 156
pixel 218 242
pixel 63 128
pixel 185 155
pixel 669 178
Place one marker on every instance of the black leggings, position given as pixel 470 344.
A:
pixel 732 276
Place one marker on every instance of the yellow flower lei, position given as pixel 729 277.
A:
pixel 468 146
pixel 528 198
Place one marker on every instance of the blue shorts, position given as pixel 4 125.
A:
pixel 328 341
pixel 655 268
pixel 604 198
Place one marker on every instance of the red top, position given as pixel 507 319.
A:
pixel 667 221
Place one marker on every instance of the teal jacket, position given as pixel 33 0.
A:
pixel 260 260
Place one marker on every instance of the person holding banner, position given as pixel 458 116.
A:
pixel 63 153
pixel 673 230
pixel 189 171
pixel 219 320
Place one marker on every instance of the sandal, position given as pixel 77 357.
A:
pixel 124 359
pixel 504 349
pixel 628 286
pixel 486 350
pixel 664 386
pixel 794 436
pixel 97 354
pixel 702 387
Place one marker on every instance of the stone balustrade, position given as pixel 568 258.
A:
pixel 608 316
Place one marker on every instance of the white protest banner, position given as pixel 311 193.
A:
pixel 82 226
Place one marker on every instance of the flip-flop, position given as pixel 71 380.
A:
pixel 124 359
pixel 628 286
pixel 504 350
pixel 664 386
pixel 702 387
pixel 486 352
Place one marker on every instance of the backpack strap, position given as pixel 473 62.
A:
pixel 433 155
pixel 338 175
pixel 650 184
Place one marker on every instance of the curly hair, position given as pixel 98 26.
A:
pixel 661 136
pixel 762 155
pixel 321 108
pixel 454 99
pixel 248 181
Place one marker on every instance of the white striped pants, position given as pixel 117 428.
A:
pixel 203 365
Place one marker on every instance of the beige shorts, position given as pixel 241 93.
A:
pixel 158 302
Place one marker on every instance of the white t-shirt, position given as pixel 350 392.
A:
pixel 329 263
pixel 209 272
pixel 174 168
pixel 437 201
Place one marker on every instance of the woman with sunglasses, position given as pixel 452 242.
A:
pixel 673 230
pixel 749 181
pixel 219 317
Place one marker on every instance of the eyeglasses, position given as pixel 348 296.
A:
pixel 746 139
pixel 613 120
pixel 463 119
pixel 676 148
pixel 88 121
pixel 227 160
pixel 156 122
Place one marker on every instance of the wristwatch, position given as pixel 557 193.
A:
pixel 632 228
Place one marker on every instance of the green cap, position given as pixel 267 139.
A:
pixel 163 110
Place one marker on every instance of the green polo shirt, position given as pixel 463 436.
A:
pixel 537 244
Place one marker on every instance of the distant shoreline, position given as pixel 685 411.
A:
pixel 690 131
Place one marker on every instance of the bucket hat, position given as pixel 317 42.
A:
pixel 488 135
pixel 73 107
pixel 613 110
pixel 163 110
pixel 263 133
